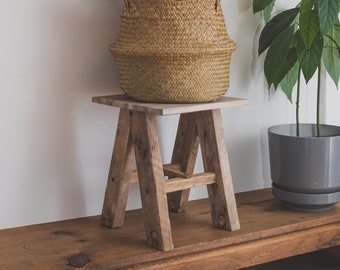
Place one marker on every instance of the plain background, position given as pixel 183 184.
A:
pixel 56 144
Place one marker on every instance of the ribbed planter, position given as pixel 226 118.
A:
pixel 173 51
pixel 305 170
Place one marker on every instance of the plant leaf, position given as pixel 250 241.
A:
pixel 277 54
pixel 309 22
pixel 267 12
pixel 259 5
pixel 276 25
pixel 328 14
pixel 309 58
pixel 289 81
pixel 331 54
pixel 286 66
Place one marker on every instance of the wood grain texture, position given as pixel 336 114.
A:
pixel 215 159
pixel 124 102
pixel 315 260
pixel 175 170
pixel 179 183
pixel 117 188
pixel 184 153
pixel 171 170
pixel 244 255
pixel 269 231
pixel 151 180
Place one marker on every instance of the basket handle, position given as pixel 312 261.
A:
pixel 217 3
pixel 127 4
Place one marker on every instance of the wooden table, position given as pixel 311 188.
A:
pixel 269 232
pixel 137 140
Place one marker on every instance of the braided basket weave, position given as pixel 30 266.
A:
pixel 174 51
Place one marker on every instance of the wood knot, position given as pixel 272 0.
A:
pixel 60 233
pixel 79 260
pixel 154 236
pixel 155 241
pixel 221 221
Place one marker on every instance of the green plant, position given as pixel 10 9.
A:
pixel 302 39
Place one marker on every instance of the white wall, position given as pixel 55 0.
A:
pixel 332 100
pixel 56 145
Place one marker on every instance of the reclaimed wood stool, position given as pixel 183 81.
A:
pixel 137 139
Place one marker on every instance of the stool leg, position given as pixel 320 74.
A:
pixel 184 153
pixel 151 181
pixel 117 187
pixel 215 158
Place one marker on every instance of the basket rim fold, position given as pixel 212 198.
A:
pixel 126 49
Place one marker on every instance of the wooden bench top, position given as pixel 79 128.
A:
pixel 269 231
pixel 124 102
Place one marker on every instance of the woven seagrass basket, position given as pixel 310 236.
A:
pixel 174 51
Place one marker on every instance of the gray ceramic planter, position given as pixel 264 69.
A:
pixel 305 170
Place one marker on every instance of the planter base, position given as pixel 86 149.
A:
pixel 306 202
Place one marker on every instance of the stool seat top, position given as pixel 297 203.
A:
pixel 124 102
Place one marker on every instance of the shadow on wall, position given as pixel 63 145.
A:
pixel 73 64
pixel 244 5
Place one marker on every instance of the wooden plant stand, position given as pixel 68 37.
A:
pixel 137 139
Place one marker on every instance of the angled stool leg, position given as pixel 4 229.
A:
pixel 184 153
pixel 117 187
pixel 215 158
pixel 151 181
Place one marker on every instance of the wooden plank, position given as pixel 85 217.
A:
pixel 175 170
pixel 117 188
pixel 269 231
pixel 151 181
pixel 252 253
pixel 316 260
pixel 184 153
pixel 215 159
pixel 180 183
pixel 124 102
pixel 171 170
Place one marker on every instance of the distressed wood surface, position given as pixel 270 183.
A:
pixel 184 153
pixel 139 129
pixel 171 170
pixel 151 180
pixel 117 188
pixel 215 159
pixel 315 260
pixel 269 231
pixel 244 255
pixel 124 102
pixel 179 183
pixel 175 170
